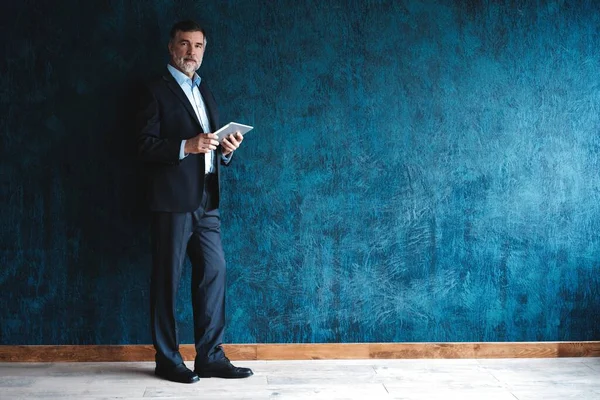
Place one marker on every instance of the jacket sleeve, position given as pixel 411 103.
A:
pixel 150 145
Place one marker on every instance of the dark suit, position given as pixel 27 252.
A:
pixel 185 219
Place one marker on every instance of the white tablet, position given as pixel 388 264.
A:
pixel 230 128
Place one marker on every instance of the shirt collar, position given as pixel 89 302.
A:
pixel 182 78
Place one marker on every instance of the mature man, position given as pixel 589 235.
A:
pixel 182 158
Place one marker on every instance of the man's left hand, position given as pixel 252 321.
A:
pixel 231 143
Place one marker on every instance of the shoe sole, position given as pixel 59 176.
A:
pixel 223 377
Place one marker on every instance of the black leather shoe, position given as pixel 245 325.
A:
pixel 179 373
pixel 222 369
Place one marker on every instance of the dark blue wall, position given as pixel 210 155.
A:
pixel 419 171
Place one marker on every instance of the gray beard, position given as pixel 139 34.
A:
pixel 186 66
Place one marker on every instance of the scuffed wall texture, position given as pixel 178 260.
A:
pixel 419 171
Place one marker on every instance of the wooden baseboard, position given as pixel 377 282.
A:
pixel 318 351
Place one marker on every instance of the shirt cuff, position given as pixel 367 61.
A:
pixel 226 158
pixel 182 154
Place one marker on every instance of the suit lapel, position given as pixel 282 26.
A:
pixel 211 107
pixel 213 119
pixel 178 91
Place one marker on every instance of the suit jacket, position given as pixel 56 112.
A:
pixel 166 118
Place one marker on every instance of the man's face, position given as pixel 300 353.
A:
pixel 187 50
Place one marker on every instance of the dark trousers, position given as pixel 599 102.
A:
pixel 199 235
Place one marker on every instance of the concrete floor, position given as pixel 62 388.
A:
pixel 482 379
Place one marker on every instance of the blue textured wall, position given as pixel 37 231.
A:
pixel 419 171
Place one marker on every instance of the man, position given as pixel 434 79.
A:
pixel 182 158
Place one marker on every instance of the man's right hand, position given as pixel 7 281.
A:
pixel 202 143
